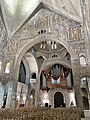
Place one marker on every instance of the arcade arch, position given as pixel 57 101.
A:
pixel 28 53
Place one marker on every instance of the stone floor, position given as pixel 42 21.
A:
pixel 87 118
pixel 87 115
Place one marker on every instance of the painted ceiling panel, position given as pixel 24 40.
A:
pixel 15 12
pixel 67 7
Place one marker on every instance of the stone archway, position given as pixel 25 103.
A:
pixel 23 50
pixel 29 45
pixel 58 100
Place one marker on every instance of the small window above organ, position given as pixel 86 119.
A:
pixel 82 59
pixel 54 56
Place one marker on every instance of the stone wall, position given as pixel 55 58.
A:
pixel 45 24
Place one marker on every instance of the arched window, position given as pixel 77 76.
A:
pixel 0 65
pixel 82 60
pixel 34 75
pixel 22 73
pixel 83 81
pixel 7 70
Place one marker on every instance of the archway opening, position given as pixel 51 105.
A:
pixel 44 52
pixel 85 103
pixel 27 81
pixel 58 100
pixel 85 92
pixel 22 73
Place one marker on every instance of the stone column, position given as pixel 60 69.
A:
pixel 9 94
pixel 14 91
pixel 88 91
pixel 44 81
pixel 1 94
pixel 29 92
pixel 78 95
pixel 37 94
pixel 77 81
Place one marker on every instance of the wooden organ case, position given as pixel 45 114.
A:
pixel 58 76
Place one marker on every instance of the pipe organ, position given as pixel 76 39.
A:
pixel 57 76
